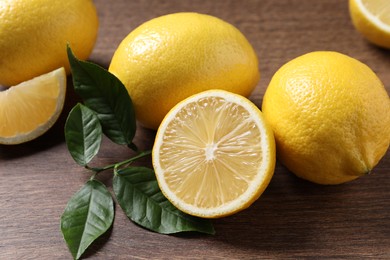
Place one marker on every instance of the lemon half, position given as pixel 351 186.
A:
pixel 214 154
pixel 372 19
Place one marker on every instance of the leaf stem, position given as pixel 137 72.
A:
pixel 119 164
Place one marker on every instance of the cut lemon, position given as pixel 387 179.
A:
pixel 372 19
pixel 214 154
pixel 29 109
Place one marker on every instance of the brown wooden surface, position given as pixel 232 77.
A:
pixel 293 219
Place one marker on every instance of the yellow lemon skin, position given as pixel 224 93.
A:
pixel 34 35
pixel 172 57
pixel 371 31
pixel 330 115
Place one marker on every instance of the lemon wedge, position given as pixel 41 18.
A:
pixel 30 108
pixel 214 154
pixel 372 19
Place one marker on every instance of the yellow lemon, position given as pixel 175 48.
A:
pixel 372 19
pixel 331 117
pixel 29 109
pixel 34 35
pixel 172 57
pixel 214 154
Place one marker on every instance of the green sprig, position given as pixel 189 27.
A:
pixel 107 110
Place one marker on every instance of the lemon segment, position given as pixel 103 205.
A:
pixel 214 154
pixel 372 19
pixel 29 109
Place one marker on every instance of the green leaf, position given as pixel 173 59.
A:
pixel 88 215
pixel 139 195
pixel 83 134
pixel 106 95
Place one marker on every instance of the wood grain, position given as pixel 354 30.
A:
pixel 294 219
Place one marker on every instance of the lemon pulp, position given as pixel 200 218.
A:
pixel 379 8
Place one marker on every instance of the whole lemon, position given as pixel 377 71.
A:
pixel 34 35
pixel 330 115
pixel 172 57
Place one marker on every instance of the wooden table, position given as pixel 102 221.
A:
pixel 293 219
